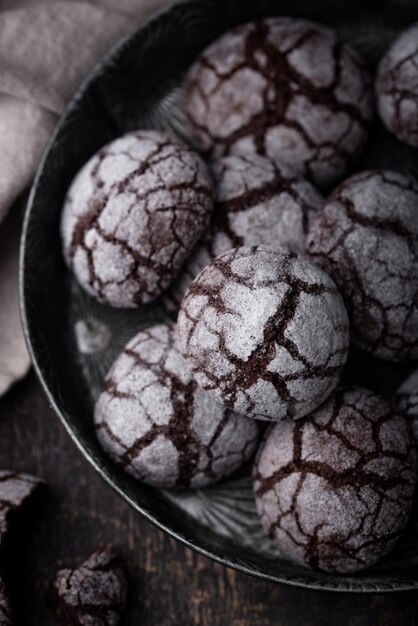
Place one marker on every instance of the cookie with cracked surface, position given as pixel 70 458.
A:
pixel 265 332
pixel 366 237
pixel 334 490
pixel 397 87
pixel 154 421
pixel 15 490
pixel 406 400
pixel 285 88
pixel 132 216
pixel 256 203
pixel 93 593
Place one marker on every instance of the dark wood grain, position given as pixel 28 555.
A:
pixel 169 584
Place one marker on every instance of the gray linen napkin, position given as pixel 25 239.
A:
pixel 46 48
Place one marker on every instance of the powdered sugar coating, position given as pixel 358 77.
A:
pixel 93 594
pixel 366 238
pixel 256 203
pixel 284 88
pixel 334 490
pixel 133 214
pixel 407 401
pixel 265 332
pixel 160 426
pixel 397 87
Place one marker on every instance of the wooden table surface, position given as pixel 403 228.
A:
pixel 169 584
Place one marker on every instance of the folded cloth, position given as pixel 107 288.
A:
pixel 14 359
pixel 46 48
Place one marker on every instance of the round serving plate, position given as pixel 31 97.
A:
pixel 73 340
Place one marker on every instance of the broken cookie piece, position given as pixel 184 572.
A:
pixel 15 489
pixel 92 594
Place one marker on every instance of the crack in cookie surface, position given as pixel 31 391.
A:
pixel 334 489
pixel 93 593
pixel 287 89
pixel 133 214
pixel 256 203
pixel 265 332
pixel 397 87
pixel 366 238
pixel 154 420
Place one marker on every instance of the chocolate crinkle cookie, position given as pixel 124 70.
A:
pixel 132 216
pixel 334 490
pixel 397 87
pixel 406 400
pixel 154 420
pixel 256 203
pixel 285 88
pixel 15 490
pixel 366 238
pixel 265 332
pixel 5 610
pixel 93 594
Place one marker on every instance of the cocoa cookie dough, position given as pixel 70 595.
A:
pixel 334 490
pixel 285 88
pixel 256 203
pixel 156 423
pixel 407 401
pixel 265 332
pixel 132 216
pixel 94 593
pixel 366 238
pixel 397 87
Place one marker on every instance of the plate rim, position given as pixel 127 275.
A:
pixel 309 581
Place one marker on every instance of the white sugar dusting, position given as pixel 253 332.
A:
pixel 280 217
pixel 397 87
pixel 368 229
pixel 154 421
pixel 243 109
pixel 257 308
pixel 133 214
pixel 333 496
